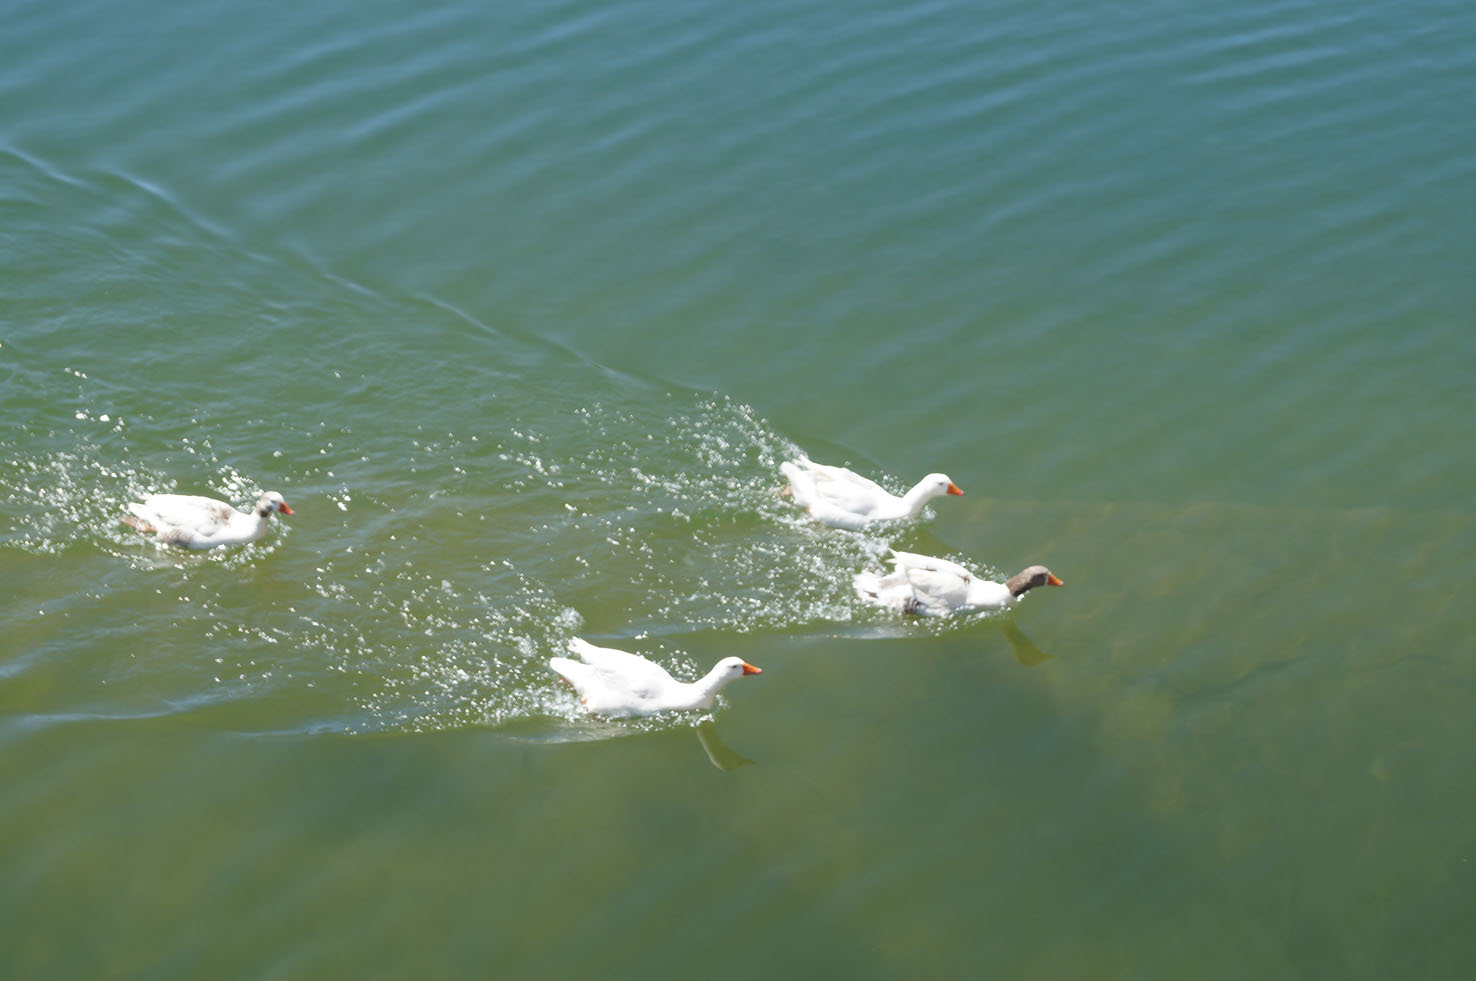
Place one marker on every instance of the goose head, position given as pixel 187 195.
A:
pixel 933 485
pixel 1028 578
pixel 269 502
pixel 728 669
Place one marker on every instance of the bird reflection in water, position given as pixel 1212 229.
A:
pixel 721 756
pixel 1021 646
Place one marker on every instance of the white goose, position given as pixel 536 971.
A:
pixel 928 586
pixel 842 498
pixel 612 682
pixel 202 522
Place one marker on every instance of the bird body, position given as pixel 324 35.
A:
pixel 929 586
pixel 202 522
pixel 841 498
pixel 615 682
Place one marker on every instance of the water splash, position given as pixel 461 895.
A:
pixel 435 563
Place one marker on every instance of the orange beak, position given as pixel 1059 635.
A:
pixel 1051 578
pixel 284 508
pixel 750 669
pixel 953 489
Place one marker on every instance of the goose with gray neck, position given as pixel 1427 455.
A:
pixel 927 586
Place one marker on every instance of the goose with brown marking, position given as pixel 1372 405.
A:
pixel 202 522
pixel 928 586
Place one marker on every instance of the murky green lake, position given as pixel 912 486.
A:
pixel 521 306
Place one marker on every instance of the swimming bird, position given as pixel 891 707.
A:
pixel 929 586
pixel 202 522
pixel 612 682
pixel 842 498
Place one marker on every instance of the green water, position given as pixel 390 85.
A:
pixel 521 309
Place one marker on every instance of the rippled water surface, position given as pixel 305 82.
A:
pixel 521 306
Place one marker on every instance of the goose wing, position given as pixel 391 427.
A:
pixel 848 490
pixel 204 515
pixel 936 582
pixel 630 671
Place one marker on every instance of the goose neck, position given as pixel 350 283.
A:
pixel 916 498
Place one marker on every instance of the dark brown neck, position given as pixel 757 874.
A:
pixel 1019 584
